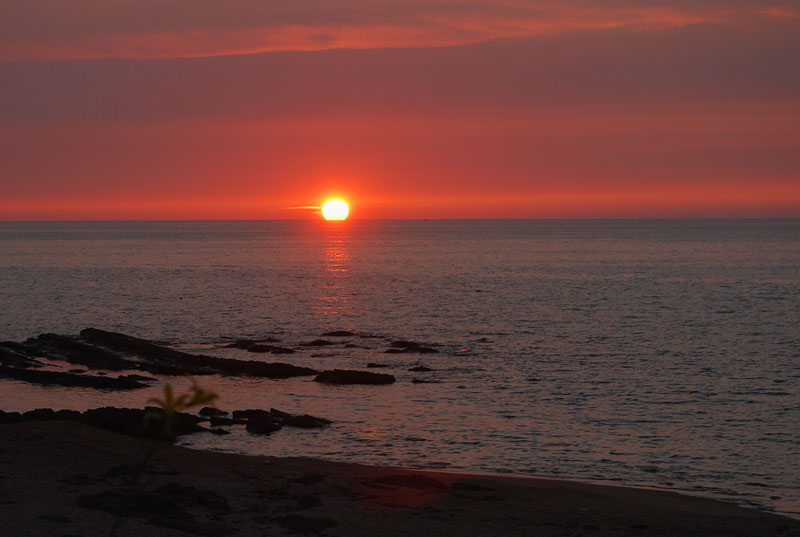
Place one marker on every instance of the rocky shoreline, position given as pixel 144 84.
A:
pixel 149 421
pixel 101 357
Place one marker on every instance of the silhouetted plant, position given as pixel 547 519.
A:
pixel 170 406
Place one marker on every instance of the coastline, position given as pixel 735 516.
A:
pixel 66 478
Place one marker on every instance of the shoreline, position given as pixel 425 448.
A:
pixel 69 477
pixel 465 472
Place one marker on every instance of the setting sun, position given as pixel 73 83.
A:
pixel 335 210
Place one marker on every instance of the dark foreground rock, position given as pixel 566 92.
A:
pixel 346 376
pixel 339 333
pixel 59 378
pixel 141 423
pixel 168 506
pixel 269 421
pixel 403 346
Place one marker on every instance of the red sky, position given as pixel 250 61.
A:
pixel 129 109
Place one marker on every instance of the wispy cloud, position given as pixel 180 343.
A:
pixel 47 30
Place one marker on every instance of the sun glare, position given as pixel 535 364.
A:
pixel 335 210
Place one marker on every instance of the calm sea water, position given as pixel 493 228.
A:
pixel 657 353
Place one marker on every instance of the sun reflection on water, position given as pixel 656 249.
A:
pixel 335 298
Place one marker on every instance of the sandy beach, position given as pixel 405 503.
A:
pixel 68 479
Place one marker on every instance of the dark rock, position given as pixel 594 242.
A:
pixel 422 381
pixel 156 355
pixel 318 343
pixel 140 378
pixel 402 346
pixel 265 422
pixel 219 432
pixel 17 355
pixel 280 414
pixel 344 376
pixel 421 368
pixel 10 417
pixel 269 348
pixel 59 378
pixel 211 411
pixel 338 333
pixel 374 365
pixel 48 414
pixel 252 414
pixel 141 423
pixel 71 350
pixel 305 524
pixel 262 425
pixel 240 344
pixel 79 371
pixel 247 343
pixel 74 350
pixel 216 421
pixel 305 421
pixel 99 349
pixel 353 346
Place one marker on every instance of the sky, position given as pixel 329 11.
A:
pixel 246 109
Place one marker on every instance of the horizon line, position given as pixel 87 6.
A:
pixel 340 222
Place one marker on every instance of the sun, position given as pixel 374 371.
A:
pixel 335 210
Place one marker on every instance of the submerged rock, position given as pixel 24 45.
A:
pixel 305 421
pixel 318 343
pixel 338 333
pixel 270 348
pixel 247 343
pixel 345 376
pixel 403 346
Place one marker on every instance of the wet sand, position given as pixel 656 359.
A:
pixel 69 479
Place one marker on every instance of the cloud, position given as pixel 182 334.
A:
pixel 83 29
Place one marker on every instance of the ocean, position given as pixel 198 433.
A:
pixel 656 353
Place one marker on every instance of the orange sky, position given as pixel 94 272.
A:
pixel 408 109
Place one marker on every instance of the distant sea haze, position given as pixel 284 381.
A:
pixel 662 353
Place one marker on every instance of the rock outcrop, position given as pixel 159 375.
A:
pixel 346 376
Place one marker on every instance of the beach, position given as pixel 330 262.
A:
pixel 66 478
